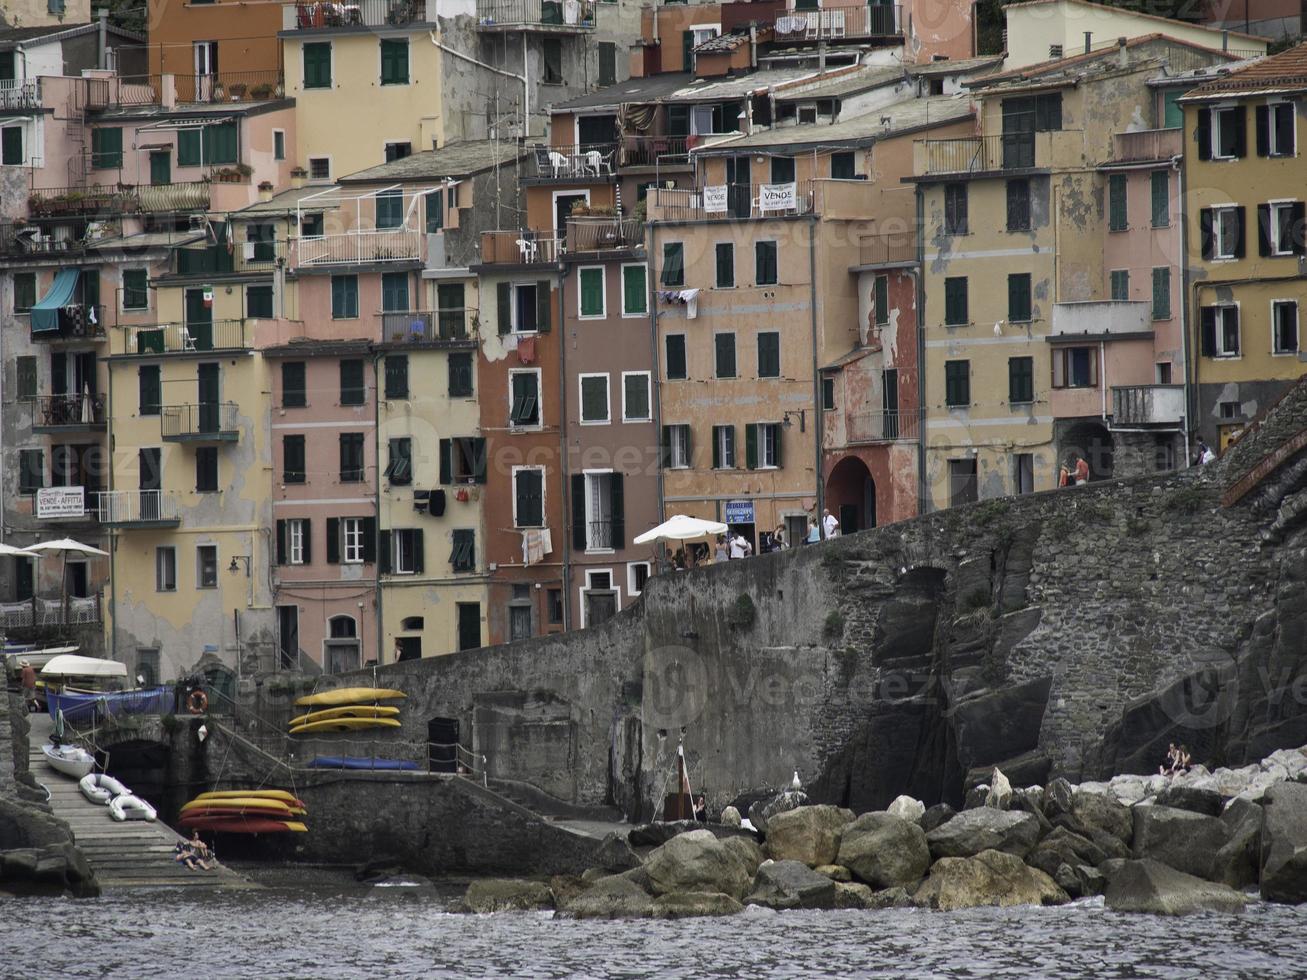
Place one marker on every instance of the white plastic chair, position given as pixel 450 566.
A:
pixel 528 249
pixel 558 162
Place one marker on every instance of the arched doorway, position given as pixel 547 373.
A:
pixel 1093 442
pixel 851 495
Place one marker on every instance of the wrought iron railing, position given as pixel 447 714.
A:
pixel 872 427
pixel 648 151
pixel 212 419
pixel 358 13
pixel 230 86
pixel 182 338
pixel 67 411
pixel 577 15
pixel 428 326
pixel 601 234
pixel 584 161
pixel 833 23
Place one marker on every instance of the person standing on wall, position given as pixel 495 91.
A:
pixel 1081 471
pixel 27 678
pixel 829 525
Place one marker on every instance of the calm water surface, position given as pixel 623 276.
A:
pixel 399 933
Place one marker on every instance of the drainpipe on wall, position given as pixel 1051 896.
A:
pixel 376 455
pixel 923 498
pixel 526 85
pixel 818 422
pixel 656 395
pixel 562 443
pixel 1102 379
pixel 113 534
pixel 1190 390
pixel 102 60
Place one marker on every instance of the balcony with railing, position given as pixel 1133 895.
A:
pixel 356 14
pixel 228 87
pixel 124 91
pixel 973 155
pixel 832 199
pixel 17 94
pixel 835 23
pixel 360 246
pixel 203 422
pixel 869 428
pixel 571 164
pixel 1147 144
pixel 1101 319
pixel 887 249
pixel 56 414
pixel 56 610
pixel 545 16
pixel 603 234
pixel 1147 405
pixel 63 202
pixel 448 327
pixel 136 508
pixel 655 151
pixel 521 247
pixel 151 340
pixel 77 323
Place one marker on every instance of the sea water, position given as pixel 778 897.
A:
pixel 399 932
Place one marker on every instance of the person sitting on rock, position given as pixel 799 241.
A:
pixel 701 809
pixel 1172 755
pixel 1183 760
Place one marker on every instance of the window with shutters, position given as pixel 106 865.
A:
pixel 352 540
pixel 524 398
pixel 769 354
pixel 768 439
pixel 279 144
pixel 460 375
pixel 11 146
pixel 602 512
pixel 828 394
pixel 723 447
pixel 206 566
pixel 399 463
pixel 673 273
pixel 675 359
pixel 1018 297
pixel 955 301
pixel 394 61
pixel 677 446
pixel 1284 326
pixel 607 63
pixel 258 302
pixel 1227 232
pixel 294 393
pixel 1119 283
pixel 165 569
pixel 344 297
pixel 351 457
pixel 1075 367
pixel 764 260
pixel 405 551
pixel 206 469
pixel 31 470
pixel 1018 205
pixel 25 367
pixel 1160 184
pixel 1276 129
pixel 528 496
pixel 880 293
pixel 317 64
pixel 462 557
pixel 136 289
pixel 190 147
pixel 463 460
pixel 595 406
pixel 396 376
pixel 1281 228
pixel 149 390
pixel 1117 213
pixel 1220 330
pixel 24 291
pixel 957 384
pixel 292 459
pixel 724 253
pixel 843 166
pixel 523 307
pixel 635 290
pixel 591 282
pixel 1020 380
pixel 1162 293
pixel 296 533
pixel 1229 133
pixel 637 401
pixel 955 209
pixel 724 355
pixel 107 148
pixel 390 209
pixel 353 388
pixel 551 61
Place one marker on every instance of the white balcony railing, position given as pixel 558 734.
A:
pixel 388 245
pixel 136 507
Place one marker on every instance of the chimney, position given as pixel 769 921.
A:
pixel 297 176
pixel 103 60
pixel 265 190
pixel 1089 41
pixel 1122 54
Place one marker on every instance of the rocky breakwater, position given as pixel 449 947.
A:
pixel 37 852
pixel 1198 841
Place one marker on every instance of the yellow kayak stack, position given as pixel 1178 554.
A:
pixel 245 811
pixel 346 709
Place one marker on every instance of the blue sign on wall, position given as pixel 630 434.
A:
pixel 739 512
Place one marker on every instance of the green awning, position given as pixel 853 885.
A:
pixel 45 314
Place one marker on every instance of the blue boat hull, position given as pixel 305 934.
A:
pixel 79 707
pixel 349 762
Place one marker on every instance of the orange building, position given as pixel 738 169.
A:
pixel 227 41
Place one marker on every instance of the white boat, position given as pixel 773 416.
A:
pixel 130 808
pixel 101 788
pixel 69 760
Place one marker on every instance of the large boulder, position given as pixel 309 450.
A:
pixel 884 850
pixel 1195 798
pixel 747 850
pixel 763 810
pixel 615 897
pixel 1157 889
pixel 615 853
pixel 791 885
pixel 988 878
pixel 935 816
pixel 1057 798
pixel 22 825
pixel 907 808
pixel 810 834
pixel 999 796
pixel 659 833
pixel 1064 846
pixel 1284 844
pixel 1235 864
pixel 984 829
pixel 507 895
pixel 688 905
pixel 730 817
pixel 1098 811
pixel 1182 839
pixel 697 862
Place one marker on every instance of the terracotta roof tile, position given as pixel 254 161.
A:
pixel 1288 69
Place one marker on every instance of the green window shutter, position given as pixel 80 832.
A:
pixel 1120 283
pixel 435 204
pixel 725 255
pixel 751 447
pixel 11 145
pixel 543 293
pixel 27 379
pixel 717 447
pixel 221 144
pixel 107 148
pixel 394 62
pixel 1021 379
pixel 344 297
pixel 764 263
pixel 778 438
pixel 390 209
pixel 957 383
pixel 1116 188
pixel 635 290
pixel 955 300
pixel 258 302
pixel 317 65
pixel 592 292
pixel 394 292
pixel 769 355
pixel 1018 297
pixel 150 390
pixel 1162 293
pixel 1161 189
pixel 188 148
pixel 676 357
pixel 504 307
pixel 673 264
pixel 882 300
pixel 293 394
pixel 136 289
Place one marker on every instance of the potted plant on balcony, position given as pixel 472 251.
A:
pixel 263 90
pixel 237 91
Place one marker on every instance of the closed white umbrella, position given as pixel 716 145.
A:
pixel 682 528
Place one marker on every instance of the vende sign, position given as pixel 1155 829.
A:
pixel 777 197
pixel 61 502
pixel 714 198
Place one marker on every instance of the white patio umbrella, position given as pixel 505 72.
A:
pixel 681 528
pixel 65 547
pixel 8 549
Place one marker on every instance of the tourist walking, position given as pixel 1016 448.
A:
pixel 740 547
pixel 27 678
pixel 720 553
pixel 829 525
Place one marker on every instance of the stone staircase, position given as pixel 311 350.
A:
pixel 126 855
